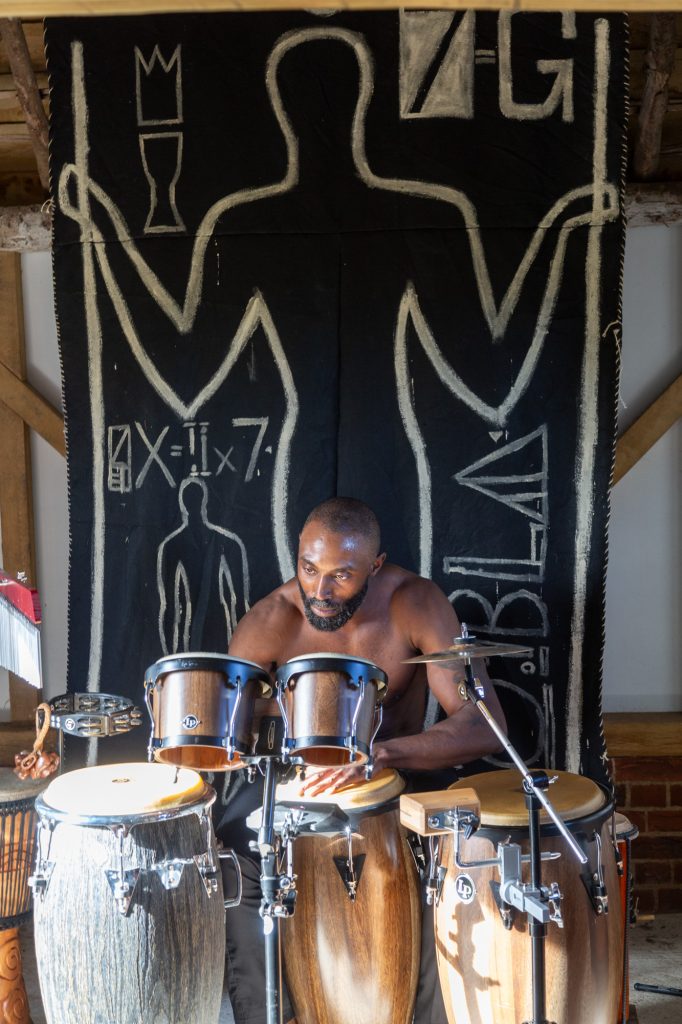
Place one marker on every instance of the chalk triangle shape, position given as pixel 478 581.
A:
pixel 515 475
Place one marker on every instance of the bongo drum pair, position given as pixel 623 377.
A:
pixel 206 710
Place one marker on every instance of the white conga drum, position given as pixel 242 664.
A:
pixel 484 953
pixel 129 914
pixel 351 961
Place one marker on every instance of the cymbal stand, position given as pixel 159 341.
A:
pixel 535 900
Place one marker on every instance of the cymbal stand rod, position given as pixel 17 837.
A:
pixel 471 690
pixel 269 880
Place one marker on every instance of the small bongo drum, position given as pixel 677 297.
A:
pixel 331 706
pixel 17 847
pixel 349 961
pixel 201 707
pixel 483 949
pixel 127 879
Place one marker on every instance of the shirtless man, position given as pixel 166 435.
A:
pixel 347 599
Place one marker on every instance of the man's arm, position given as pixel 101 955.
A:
pixel 431 624
pixel 260 634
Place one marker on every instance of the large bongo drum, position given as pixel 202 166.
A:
pixel 331 706
pixel 485 964
pixel 129 914
pixel 350 961
pixel 201 707
pixel 17 847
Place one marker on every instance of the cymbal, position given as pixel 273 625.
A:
pixel 470 647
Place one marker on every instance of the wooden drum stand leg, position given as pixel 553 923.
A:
pixel 13 999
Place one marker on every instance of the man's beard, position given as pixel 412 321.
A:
pixel 330 623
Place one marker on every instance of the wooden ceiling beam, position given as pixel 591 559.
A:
pixel 54 8
pixel 660 64
pixel 648 429
pixel 19 58
pixel 35 411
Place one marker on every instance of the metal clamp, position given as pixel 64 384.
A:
pixel 39 881
pixel 124 881
pixel 231 855
pixel 233 719
pixel 594 881
pixel 285 719
pixel 353 742
pixel 350 868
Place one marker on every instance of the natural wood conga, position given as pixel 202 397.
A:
pixel 157 954
pixel 350 962
pixel 485 969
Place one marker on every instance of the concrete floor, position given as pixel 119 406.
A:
pixel 655 958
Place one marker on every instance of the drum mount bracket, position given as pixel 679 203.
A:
pixel 543 903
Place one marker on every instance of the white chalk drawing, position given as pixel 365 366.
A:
pixel 550 725
pixel 531 501
pixel 437 64
pixel 567 214
pixel 224 581
pixel 528 668
pixel 261 422
pixel 561 93
pixel 120 459
pixel 163 216
pixel 543 658
pixel 158 84
pixel 519 570
pixel 153 458
pixel 536 609
pixel 537 716
pixel 520 482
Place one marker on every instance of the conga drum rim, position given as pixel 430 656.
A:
pixel 134 792
pixel 210 661
pixel 331 661
pixel 575 798
pixel 624 828
pixel 380 791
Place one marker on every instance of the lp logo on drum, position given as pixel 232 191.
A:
pixel 465 890
pixel 190 721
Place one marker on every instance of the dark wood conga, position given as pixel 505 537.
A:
pixel 350 962
pixel 485 967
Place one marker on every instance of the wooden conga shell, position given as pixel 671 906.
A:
pixel 163 961
pixel 485 970
pixel 350 963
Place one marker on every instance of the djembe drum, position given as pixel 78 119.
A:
pixel 17 846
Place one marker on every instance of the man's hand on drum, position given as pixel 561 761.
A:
pixel 331 780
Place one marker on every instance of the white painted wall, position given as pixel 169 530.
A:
pixel 643 658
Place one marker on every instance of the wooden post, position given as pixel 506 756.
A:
pixel 660 63
pixel 28 93
pixel 16 491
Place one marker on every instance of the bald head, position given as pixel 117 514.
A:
pixel 349 517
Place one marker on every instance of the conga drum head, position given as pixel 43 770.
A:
pixel 121 791
pixel 383 787
pixel 332 707
pixel 503 798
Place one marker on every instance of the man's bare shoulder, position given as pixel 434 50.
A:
pixel 421 608
pixel 259 633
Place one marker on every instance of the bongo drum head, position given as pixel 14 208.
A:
pixel 384 786
pixel 117 790
pixel 503 799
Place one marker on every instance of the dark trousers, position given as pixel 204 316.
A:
pixel 245 955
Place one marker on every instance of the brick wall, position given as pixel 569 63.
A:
pixel 649 793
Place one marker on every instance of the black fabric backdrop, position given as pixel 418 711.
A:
pixel 372 254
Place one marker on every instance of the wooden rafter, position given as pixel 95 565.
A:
pixel 648 429
pixel 660 64
pixel 28 93
pixel 16 490
pixel 34 410
pixel 53 8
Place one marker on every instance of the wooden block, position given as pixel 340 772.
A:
pixel 417 808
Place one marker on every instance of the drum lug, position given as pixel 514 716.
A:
pixel 40 879
pixel 507 913
pixel 123 885
pixel 555 896
pixel 594 882
pixel 350 868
